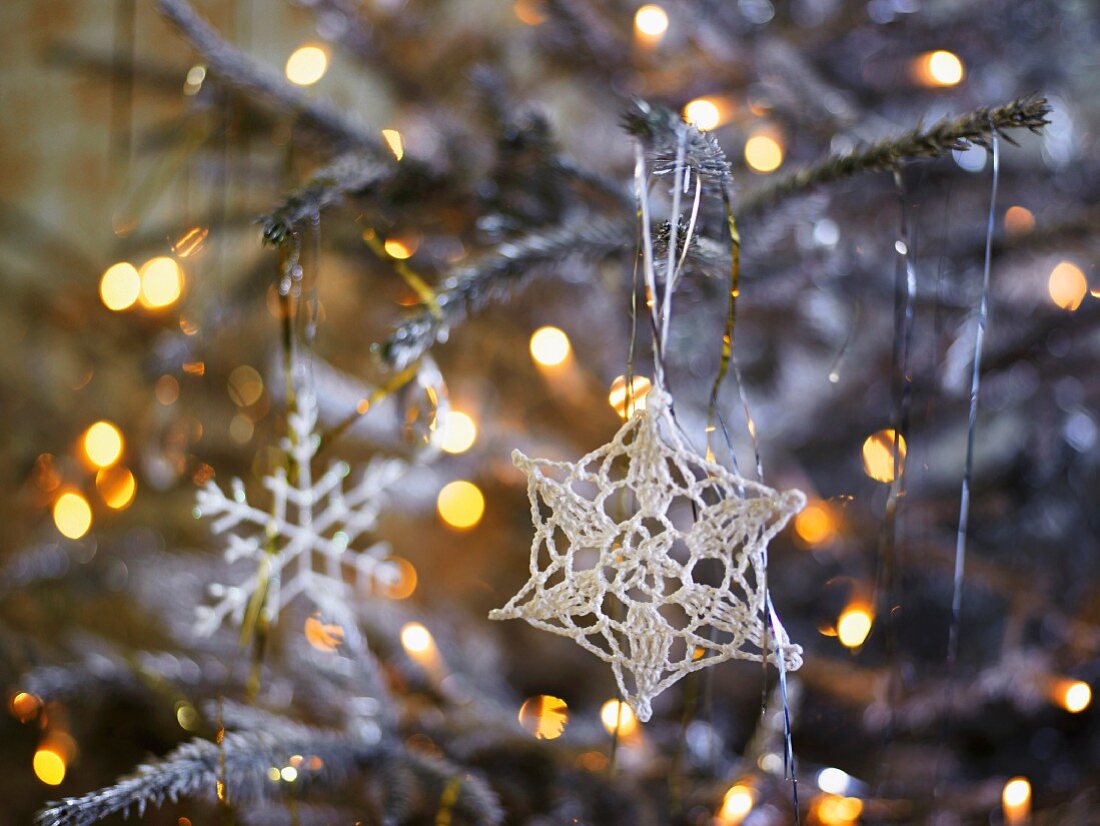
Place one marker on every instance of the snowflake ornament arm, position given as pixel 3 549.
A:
pixel 303 545
pixel 652 558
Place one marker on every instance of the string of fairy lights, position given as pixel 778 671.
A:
pixel 158 285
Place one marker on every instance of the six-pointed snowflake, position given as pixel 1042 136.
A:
pixel 652 558
pixel 303 544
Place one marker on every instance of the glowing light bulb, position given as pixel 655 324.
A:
pixel 49 767
pixel 102 444
pixel 459 432
pixel 878 455
pixel 833 810
pixel 763 153
pixel 815 523
pixel 321 635
pixel 1076 696
pixel 549 346
pixel 651 22
pixel 120 286
pixel 617 396
pixel 245 385
pixel 1016 800
pixel 306 65
pixel 395 142
pixel 939 68
pixel 1019 220
pixel 460 504
pixel 616 713
pixel 72 515
pixel 703 114
pixel 404 584
pixel 1067 286
pixel 544 716
pixel 117 486
pixel 853 625
pixel 25 706
pixel 416 639
pixel 161 283
pixel 833 780
pixel 397 248
pixel 736 804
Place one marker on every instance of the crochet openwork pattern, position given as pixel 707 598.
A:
pixel 652 558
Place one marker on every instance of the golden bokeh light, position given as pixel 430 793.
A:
pixel 938 68
pixel 834 810
pixel 550 346
pixel 1019 220
pixel 459 432
pixel 398 248
pixel 854 624
pixel 651 22
pixel 404 583
pixel 167 389
pixel 246 385
pixel 617 714
pixel 49 767
pixel 816 524
pixel 703 113
pixel 306 65
pixel 395 142
pixel 878 455
pixel 322 635
pixel 161 283
pixel 1067 286
pixel 116 486
pixel 618 398
pixel 416 639
pixel 529 12
pixel 24 706
pixel 120 286
pixel 736 804
pixel 1016 800
pixel 460 504
pixel 544 717
pixel 289 774
pixel 72 515
pixel 763 153
pixel 1073 695
pixel 191 242
pixel 102 444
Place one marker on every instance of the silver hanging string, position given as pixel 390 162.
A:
pixel 975 386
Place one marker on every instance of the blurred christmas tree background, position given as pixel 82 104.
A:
pixel 430 204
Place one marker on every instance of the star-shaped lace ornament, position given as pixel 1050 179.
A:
pixel 652 558
pixel 303 544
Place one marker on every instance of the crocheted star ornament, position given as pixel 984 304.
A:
pixel 652 558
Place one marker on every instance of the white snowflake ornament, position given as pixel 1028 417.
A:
pixel 652 558
pixel 303 544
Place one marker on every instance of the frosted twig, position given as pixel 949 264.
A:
pixel 943 137
pixel 242 72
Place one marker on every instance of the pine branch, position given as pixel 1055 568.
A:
pixel 660 128
pixel 972 128
pixel 471 287
pixel 247 75
pixel 193 770
pixel 346 175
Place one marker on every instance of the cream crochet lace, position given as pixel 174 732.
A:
pixel 652 558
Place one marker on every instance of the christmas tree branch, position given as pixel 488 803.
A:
pixel 347 174
pixel 946 135
pixel 247 75
pixel 469 288
pixel 193 769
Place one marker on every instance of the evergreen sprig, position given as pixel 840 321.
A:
pixel 976 127
pixel 469 288
pixel 247 75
